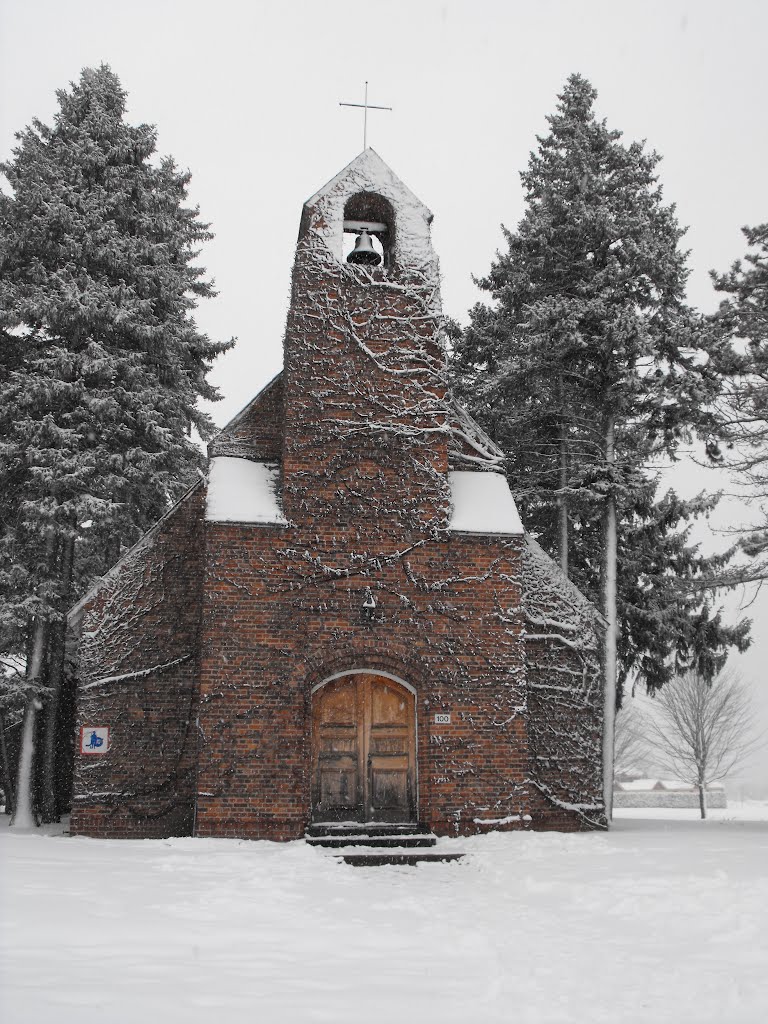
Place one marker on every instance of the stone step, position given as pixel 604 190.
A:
pixel 396 857
pixel 381 841
pixel 384 834
pixel 372 828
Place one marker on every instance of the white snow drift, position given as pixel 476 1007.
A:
pixel 241 491
pixel 657 921
pixel 482 503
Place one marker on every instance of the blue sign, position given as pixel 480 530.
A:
pixel 94 739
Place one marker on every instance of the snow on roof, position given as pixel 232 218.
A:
pixel 75 613
pixel 637 784
pixel 369 165
pixel 241 491
pixel 471 434
pixel 551 580
pixel 482 503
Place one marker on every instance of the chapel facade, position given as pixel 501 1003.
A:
pixel 346 621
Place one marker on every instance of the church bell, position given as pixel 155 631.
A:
pixel 364 253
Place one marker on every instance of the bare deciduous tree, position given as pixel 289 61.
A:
pixel 630 751
pixel 699 730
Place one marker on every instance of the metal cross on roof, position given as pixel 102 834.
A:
pixel 365 106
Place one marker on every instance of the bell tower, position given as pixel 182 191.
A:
pixel 365 388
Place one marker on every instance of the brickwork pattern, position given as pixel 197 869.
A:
pixel 275 627
pixel 138 672
pixel 565 697
pixel 257 432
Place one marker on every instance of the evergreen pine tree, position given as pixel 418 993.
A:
pixel 743 316
pixel 586 370
pixel 103 366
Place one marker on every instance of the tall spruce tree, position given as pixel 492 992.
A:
pixel 743 318
pixel 102 370
pixel 586 371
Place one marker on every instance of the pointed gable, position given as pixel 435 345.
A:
pixel 256 432
pixel 323 213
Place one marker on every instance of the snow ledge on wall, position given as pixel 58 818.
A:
pixel 241 491
pixel 483 503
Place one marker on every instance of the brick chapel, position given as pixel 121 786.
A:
pixel 345 623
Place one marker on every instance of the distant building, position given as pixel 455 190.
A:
pixel 663 793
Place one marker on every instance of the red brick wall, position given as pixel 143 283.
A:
pixel 565 698
pixel 144 618
pixel 365 403
pixel 257 431
pixel 276 624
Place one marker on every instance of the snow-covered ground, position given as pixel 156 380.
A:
pixel 663 919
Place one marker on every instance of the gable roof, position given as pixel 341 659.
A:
pixel 75 613
pixel 256 431
pixel 553 583
pixel 238 418
pixel 369 172
pixel 469 442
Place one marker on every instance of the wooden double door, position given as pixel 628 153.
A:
pixel 363 750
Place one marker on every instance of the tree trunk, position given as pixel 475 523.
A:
pixel 65 744
pixel 111 552
pixel 703 800
pixel 24 810
pixel 49 804
pixel 562 503
pixel 609 611
pixel 6 766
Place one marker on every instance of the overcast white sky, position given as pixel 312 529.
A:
pixel 246 94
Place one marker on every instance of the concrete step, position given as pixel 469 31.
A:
pixel 374 834
pixel 382 841
pixel 331 828
pixel 407 858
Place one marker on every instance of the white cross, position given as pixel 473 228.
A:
pixel 365 106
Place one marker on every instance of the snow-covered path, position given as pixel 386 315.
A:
pixel 659 920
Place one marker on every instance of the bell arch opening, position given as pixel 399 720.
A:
pixel 369 230
pixel 363 749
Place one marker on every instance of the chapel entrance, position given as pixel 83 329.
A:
pixel 363 750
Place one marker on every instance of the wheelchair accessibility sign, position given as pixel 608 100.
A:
pixel 94 739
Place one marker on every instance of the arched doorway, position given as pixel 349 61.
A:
pixel 363 750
